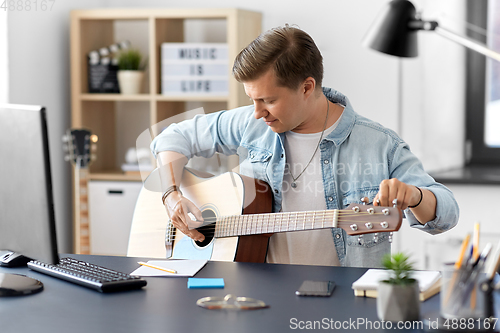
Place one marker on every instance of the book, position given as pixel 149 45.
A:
pixel 429 282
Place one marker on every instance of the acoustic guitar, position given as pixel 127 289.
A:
pixel 79 143
pixel 237 219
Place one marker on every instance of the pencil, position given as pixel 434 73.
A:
pixel 465 242
pixel 157 267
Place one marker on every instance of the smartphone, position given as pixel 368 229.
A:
pixel 316 288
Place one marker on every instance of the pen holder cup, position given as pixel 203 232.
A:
pixel 465 293
pixel 495 297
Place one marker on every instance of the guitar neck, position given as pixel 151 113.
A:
pixel 354 221
pixel 276 222
pixel 82 237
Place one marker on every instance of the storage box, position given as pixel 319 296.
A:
pixel 111 207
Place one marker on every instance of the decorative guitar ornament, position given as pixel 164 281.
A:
pixel 231 236
pixel 79 143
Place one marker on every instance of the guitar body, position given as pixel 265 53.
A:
pixel 224 195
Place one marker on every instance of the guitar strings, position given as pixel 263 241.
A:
pixel 210 230
pixel 225 225
pixel 238 219
pixel 289 215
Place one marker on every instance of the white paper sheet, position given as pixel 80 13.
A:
pixel 183 267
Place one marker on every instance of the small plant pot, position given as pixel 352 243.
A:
pixel 130 81
pixel 398 302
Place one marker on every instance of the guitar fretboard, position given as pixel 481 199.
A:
pixel 82 235
pixel 275 222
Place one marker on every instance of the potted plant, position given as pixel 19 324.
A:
pixel 130 71
pixel 398 296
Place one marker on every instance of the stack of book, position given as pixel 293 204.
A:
pixel 194 68
pixel 429 282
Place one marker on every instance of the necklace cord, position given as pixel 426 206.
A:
pixel 317 146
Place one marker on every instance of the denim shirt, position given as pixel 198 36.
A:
pixel 356 156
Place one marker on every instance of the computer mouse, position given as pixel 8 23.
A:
pixel 12 259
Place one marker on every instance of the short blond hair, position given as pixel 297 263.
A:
pixel 289 51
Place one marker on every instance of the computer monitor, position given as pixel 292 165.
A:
pixel 27 220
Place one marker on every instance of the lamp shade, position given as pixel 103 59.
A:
pixel 392 33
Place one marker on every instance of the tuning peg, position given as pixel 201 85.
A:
pixel 368 225
pixel 93 147
pixel 355 209
pixel 360 240
pixel 395 203
pixel 390 237
pixel 354 227
pixel 384 224
pixel 66 158
pixel 365 200
pixel 385 211
pixel 371 210
pixel 375 237
pixel 65 138
pixel 94 138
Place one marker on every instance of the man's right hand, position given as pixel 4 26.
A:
pixel 178 207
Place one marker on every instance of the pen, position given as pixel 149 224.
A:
pixel 494 264
pixel 475 242
pixel 157 267
pixel 458 266
pixel 475 257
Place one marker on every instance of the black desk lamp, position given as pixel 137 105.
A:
pixel 395 32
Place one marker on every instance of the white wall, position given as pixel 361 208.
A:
pixel 38 51
pixel 432 86
pixel 434 90
pixel 4 60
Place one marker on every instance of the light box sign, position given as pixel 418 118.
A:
pixel 194 68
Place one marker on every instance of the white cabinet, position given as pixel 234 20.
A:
pixel 111 207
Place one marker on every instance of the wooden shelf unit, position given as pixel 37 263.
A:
pixel 93 29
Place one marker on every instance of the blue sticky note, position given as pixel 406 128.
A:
pixel 205 283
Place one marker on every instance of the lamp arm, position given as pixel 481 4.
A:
pixel 467 42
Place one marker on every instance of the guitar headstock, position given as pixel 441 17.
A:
pixel 360 219
pixel 80 145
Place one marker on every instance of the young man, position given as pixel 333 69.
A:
pixel 312 149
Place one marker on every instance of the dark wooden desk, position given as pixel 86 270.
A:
pixel 166 305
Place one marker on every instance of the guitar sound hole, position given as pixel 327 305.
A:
pixel 207 230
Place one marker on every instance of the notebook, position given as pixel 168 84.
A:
pixel 429 282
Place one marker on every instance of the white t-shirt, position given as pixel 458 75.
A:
pixel 312 247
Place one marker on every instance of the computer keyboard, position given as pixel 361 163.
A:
pixel 89 275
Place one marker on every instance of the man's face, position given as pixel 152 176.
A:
pixel 282 108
